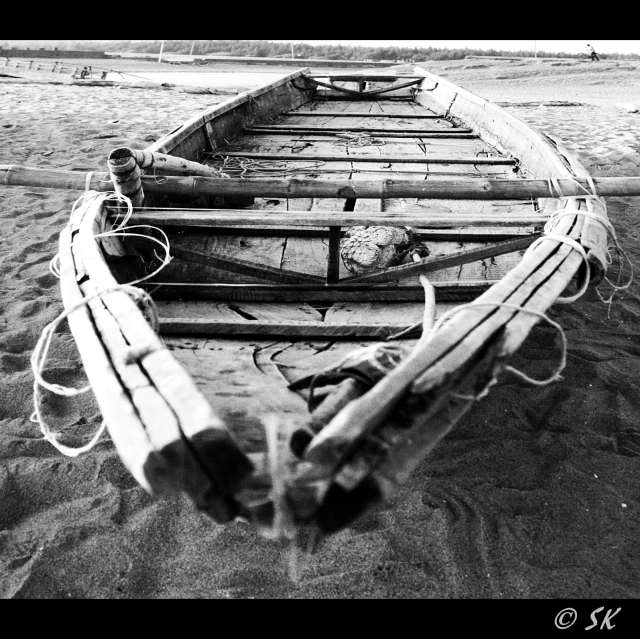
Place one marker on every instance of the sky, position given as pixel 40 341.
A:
pixel 552 46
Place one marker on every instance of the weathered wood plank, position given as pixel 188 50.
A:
pixel 241 383
pixel 196 467
pixel 232 312
pixel 265 250
pixel 209 129
pixel 291 329
pixel 334 131
pixel 346 114
pixel 445 291
pixel 402 159
pixel 534 284
pixel 346 77
pixel 375 313
pixel 421 217
pixel 243 267
pixel 126 429
pixel 423 131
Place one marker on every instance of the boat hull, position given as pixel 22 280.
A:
pixel 266 298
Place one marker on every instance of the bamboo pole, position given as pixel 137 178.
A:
pixel 161 162
pixel 125 175
pixel 458 189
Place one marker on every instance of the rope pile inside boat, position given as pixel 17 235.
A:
pixel 239 167
pixel 359 139
pixel 141 297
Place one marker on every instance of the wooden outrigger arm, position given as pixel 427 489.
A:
pixel 375 441
pixel 362 93
pixel 463 189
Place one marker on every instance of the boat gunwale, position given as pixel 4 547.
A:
pixel 169 141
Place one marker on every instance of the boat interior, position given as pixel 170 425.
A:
pixel 286 270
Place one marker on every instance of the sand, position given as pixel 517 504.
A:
pixel 535 494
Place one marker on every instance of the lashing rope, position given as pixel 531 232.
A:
pixel 358 139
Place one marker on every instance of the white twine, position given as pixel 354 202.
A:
pixel 283 521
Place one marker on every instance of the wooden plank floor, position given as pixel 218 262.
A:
pixel 443 157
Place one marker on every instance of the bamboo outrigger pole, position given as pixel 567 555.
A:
pixel 465 189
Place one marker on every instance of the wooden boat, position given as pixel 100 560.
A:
pixel 299 377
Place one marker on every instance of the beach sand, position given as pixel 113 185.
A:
pixel 535 494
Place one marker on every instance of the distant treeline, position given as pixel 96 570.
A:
pixel 266 49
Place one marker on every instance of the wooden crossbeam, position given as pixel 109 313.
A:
pixel 454 234
pixel 397 159
pixel 459 188
pixel 445 292
pixel 352 129
pixel 327 97
pixel 447 261
pixel 351 114
pixel 451 134
pixel 403 85
pixel 266 328
pixel 367 78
